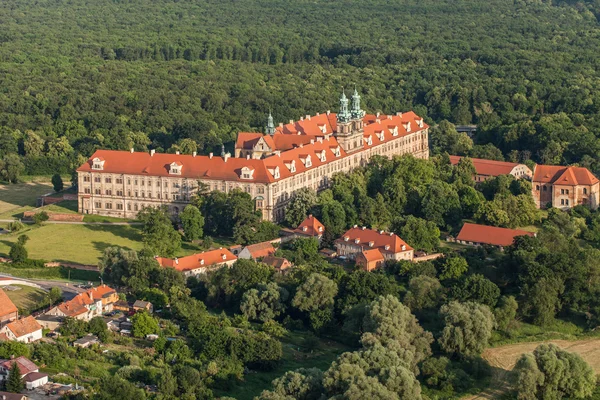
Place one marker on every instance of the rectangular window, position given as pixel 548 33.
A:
pixel 108 192
pixel 584 190
pixel 97 179
pixel 545 188
pixel 98 204
pixel 567 201
pixel 119 206
pixel 86 178
pixel 135 207
pixel 143 183
pixel 562 202
pixel 109 206
pixel 119 193
pixel 87 190
pixel 136 193
pixel 567 191
pixel 537 187
pixel 128 181
pixel 108 180
pixel 97 191
pixel 562 191
pixel 135 182
pixel 119 181
pixel 128 207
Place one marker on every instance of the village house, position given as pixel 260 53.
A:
pixel 486 169
pixel 270 167
pixel 279 263
pixel 199 263
pixel 87 305
pixel 370 259
pixel 49 322
pixel 564 187
pixel 257 251
pixel 354 241
pixel 25 330
pixel 141 305
pixel 310 227
pixel 12 396
pixel 26 368
pixel 8 311
pixel 86 341
pixel 477 235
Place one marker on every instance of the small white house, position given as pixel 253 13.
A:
pixel 35 379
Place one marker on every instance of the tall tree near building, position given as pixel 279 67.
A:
pixel 468 328
pixel 316 297
pixel 158 233
pixel 14 382
pixel 192 221
pixel 299 206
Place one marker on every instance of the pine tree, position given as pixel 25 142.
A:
pixel 15 382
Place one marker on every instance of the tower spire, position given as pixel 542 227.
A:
pixel 344 114
pixel 356 111
pixel 270 129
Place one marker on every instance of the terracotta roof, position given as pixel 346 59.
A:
pixel 141 303
pixel 278 263
pixel 4 338
pixel 310 227
pixel 372 255
pixel 199 260
pixel 6 305
pixel 386 242
pixel 294 140
pixel 262 249
pixel 25 365
pixel 560 175
pixel 12 396
pixel 488 167
pixel 24 326
pixel 490 234
pixel 34 376
pixel 101 291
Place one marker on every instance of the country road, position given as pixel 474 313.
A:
pixel 68 288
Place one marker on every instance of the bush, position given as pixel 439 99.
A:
pixel 40 218
pixel 15 226
pixel 18 253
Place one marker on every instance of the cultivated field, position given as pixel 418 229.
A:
pixel 504 358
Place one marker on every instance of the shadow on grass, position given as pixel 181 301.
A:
pixel 23 194
pixel 101 246
pixel 125 231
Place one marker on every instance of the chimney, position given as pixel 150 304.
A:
pixel 131 150
pixel 177 152
pixel 356 226
pixel 312 141
pixel 301 118
pixel 364 227
pixel 194 154
pixel 318 114
pixel 308 117
pixel 377 115
pixel 301 145
pixel 152 152
pixel 291 121
pixel 176 261
pixel 328 112
pixel 278 153
pixel 281 124
pixel 320 139
pixel 398 114
pixel 378 120
pixel 210 156
pixel 247 156
pixel 226 156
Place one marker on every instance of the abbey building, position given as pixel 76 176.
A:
pixel 270 167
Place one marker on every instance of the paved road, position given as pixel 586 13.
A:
pixel 75 222
pixel 69 290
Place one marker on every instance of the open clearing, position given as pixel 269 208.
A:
pixel 25 297
pixel 504 358
pixel 16 198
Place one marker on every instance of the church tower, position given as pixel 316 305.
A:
pixel 350 124
pixel 270 128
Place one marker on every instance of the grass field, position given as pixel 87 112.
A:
pixel 26 298
pixel 294 357
pixel 82 244
pixel 15 199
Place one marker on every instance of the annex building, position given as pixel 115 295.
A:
pixel 564 187
pixel 270 167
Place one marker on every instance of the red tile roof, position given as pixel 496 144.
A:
pixel 101 291
pixel 279 263
pixel 200 260
pixel 372 255
pixel 24 326
pixel 12 396
pixel 386 242
pixel 72 308
pixel 34 376
pixel 310 227
pixel 26 366
pixel 262 249
pixel 488 167
pixel 490 234
pixel 560 175
pixel 6 305
pixel 296 141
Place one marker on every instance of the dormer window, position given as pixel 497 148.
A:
pixel 320 229
pixel 336 151
pixel 346 238
pixel 202 262
pixel 371 244
pixel 323 128
pixel 394 130
pixel 275 172
pixel 247 173
pixel 291 165
pixel 407 126
pixel 308 162
pixel 98 163
pixel 304 228
pixel 224 256
pixel 420 123
pixel 369 141
pixel 403 247
pixel 387 246
pixel 357 240
pixel 175 168
pixel 322 156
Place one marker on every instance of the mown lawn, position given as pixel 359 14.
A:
pixel 16 198
pixel 295 355
pixel 26 297
pixel 82 244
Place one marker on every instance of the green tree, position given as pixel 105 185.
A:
pixel 57 182
pixel 11 168
pixel 13 349
pixel 506 312
pixel 476 288
pixel 14 383
pixel 301 384
pixel 158 233
pixel 113 387
pixel 299 206
pixel 316 297
pixel 467 328
pixel 553 373
pixel 143 324
pixel 441 204
pixel 40 217
pixel 423 292
pixel 192 221
pixel 18 253
pixel 453 267
pixel 97 326
pixel 543 300
pixel 420 234
pixel 264 303
pixel 54 295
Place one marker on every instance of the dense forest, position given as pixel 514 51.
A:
pixel 79 75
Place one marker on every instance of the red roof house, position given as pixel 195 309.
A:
pixel 310 227
pixel 565 187
pixel 370 259
pixel 199 263
pixel 8 311
pixel 475 234
pixel 356 240
pixel 257 251
pixel 26 330
pixel 486 169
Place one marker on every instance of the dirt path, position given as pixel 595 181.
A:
pixel 504 358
